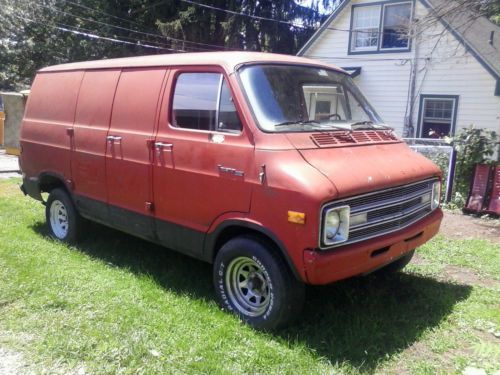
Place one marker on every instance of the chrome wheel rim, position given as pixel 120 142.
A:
pixel 59 219
pixel 247 286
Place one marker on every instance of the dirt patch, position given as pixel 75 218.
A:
pixel 418 260
pixel 458 274
pixel 460 226
pixel 468 277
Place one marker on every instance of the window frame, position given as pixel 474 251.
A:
pixel 421 112
pixel 371 111
pixel 202 70
pixel 382 5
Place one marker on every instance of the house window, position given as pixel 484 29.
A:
pixel 437 116
pixel 325 102
pixel 396 26
pixel 365 28
pixel 380 28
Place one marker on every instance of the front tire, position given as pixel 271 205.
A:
pixel 65 224
pixel 255 283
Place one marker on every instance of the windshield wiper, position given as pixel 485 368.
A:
pixel 286 123
pixel 315 124
pixel 368 125
pixel 347 127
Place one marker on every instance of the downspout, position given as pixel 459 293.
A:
pixel 411 129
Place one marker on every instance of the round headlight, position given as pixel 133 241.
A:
pixel 332 224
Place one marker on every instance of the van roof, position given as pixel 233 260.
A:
pixel 228 59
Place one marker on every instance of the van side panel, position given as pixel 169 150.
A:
pixel 93 114
pixel 48 122
pixel 129 150
pixel 191 188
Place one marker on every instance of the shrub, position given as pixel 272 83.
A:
pixel 473 146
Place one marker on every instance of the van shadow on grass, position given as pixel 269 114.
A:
pixel 361 321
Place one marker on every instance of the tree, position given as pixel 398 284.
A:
pixel 245 24
pixel 463 11
pixel 48 32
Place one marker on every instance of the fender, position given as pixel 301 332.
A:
pixel 31 185
pixel 209 248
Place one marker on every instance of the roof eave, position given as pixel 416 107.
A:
pixel 466 44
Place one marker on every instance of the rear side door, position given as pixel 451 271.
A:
pixel 128 150
pixel 203 158
pixel 46 133
pixel 92 118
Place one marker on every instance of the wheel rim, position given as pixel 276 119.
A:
pixel 59 219
pixel 248 286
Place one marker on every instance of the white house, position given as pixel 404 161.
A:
pixel 426 79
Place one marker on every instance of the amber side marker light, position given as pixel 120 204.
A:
pixel 296 217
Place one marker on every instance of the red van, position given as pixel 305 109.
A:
pixel 274 168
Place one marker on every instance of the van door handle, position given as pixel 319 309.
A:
pixel 160 146
pixel 226 169
pixel 113 138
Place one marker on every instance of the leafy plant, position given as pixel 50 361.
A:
pixel 442 160
pixel 473 146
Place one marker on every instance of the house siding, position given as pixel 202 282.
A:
pixel 385 78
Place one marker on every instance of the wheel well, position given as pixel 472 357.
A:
pixel 233 231
pixel 49 182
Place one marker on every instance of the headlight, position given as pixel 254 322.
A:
pixel 336 225
pixel 436 195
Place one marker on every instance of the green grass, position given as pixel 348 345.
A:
pixel 479 255
pixel 117 304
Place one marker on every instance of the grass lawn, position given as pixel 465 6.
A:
pixel 117 304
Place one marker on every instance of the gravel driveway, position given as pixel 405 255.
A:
pixel 9 167
pixel 11 363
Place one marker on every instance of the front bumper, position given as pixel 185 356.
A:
pixel 364 257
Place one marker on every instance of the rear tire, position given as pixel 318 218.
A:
pixel 255 283
pixel 64 221
pixel 398 264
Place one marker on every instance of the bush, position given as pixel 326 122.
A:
pixel 473 146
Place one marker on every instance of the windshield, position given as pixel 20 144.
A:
pixel 301 98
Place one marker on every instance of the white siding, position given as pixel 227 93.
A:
pixel 453 71
pixel 385 77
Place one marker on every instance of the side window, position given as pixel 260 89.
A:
pixel 203 101
pixel 195 100
pixel 228 116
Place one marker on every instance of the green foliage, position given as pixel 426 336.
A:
pixel 235 31
pixel 34 34
pixel 473 146
pixel 442 160
pixel 493 10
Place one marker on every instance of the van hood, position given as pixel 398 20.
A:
pixel 359 169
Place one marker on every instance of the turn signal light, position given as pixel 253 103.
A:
pixel 296 217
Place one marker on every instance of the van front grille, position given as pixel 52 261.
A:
pixel 386 211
